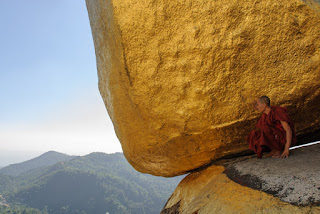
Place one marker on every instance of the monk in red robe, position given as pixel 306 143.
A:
pixel 275 130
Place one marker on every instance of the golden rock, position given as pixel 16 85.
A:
pixel 211 191
pixel 177 76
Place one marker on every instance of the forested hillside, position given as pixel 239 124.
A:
pixel 46 159
pixel 96 183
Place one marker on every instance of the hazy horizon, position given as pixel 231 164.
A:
pixel 49 84
pixel 14 157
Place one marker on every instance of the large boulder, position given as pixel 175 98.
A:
pixel 248 185
pixel 177 76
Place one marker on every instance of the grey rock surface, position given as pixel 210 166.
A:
pixel 295 179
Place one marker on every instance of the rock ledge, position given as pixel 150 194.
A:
pixel 294 180
pixel 250 185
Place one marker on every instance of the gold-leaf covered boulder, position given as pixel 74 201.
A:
pixel 177 76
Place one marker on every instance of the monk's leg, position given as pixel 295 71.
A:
pixel 254 140
pixel 269 141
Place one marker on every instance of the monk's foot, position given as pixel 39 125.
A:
pixel 270 154
pixel 273 153
pixel 276 154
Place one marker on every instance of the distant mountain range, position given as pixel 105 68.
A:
pixel 97 183
pixel 46 159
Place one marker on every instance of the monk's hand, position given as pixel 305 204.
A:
pixel 285 153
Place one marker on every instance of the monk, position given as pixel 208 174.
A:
pixel 275 130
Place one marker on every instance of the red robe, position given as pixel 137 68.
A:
pixel 271 133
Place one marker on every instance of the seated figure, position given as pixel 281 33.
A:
pixel 275 130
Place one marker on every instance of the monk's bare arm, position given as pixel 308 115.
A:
pixel 288 130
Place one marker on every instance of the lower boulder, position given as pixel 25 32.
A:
pixel 250 185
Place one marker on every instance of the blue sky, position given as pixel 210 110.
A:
pixel 48 80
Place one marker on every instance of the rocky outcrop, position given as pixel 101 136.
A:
pixel 177 76
pixel 250 185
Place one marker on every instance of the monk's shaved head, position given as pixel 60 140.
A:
pixel 265 100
